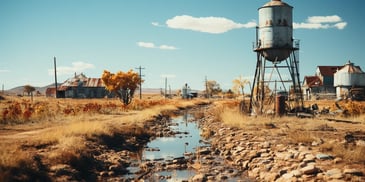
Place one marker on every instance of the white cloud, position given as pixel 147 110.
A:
pixel 156 24
pixel 166 47
pixel 321 22
pixel 146 44
pixel 324 19
pixel 341 25
pixel 214 25
pixel 310 26
pixel 153 46
pixel 77 67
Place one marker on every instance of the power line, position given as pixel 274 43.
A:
pixel 140 81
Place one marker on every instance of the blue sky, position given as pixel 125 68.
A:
pixel 182 40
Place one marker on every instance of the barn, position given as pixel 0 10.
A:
pixel 321 84
pixel 81 86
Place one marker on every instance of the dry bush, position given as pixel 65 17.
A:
pixel 12 155
pixel 298 136
pixel 352 108
pixel 69 148
pixel 351 153
pixel 138 104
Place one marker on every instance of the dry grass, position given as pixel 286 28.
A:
pixel 12 155
pixel 63 126
pixel 351 153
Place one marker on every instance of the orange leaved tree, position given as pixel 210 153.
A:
pixel 123 84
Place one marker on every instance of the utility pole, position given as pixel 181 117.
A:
pixel 170 90
pixel 206 87
pixel 55 75
pixel 140 82
pixel 165 87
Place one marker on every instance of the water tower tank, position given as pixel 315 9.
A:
pixel 275 30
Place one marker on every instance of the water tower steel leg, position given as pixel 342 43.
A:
pixel 299 88
pixel 254 96
pixel 262 86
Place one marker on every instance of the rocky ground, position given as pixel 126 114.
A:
pixel 228 154
pixel 234 154
pixel 263 156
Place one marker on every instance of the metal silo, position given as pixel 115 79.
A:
pixel 275 30
pixel 275 45
pixel 347 79
pixel 349 76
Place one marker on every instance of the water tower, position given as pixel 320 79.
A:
pixel 277 52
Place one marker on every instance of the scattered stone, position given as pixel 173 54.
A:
pixel 270 176
pixel 309 170
pixel 284 155
pixel 309 158
pixel 337 160
pixel 324 157
pixel 355 172
pixel 199 178
pixel 204 151
pixel 334 173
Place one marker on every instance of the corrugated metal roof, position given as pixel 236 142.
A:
pixel 350 68
pixel 81 80
pixel 312 81
pixel 94 82
pixel 328 70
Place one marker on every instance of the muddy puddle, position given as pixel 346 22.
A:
pixel 166 158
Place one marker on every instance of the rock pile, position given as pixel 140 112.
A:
pixel 263 158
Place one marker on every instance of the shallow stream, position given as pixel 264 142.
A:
pixel 182 144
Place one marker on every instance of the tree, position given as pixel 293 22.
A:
pixel 123 84
pixel 239 84
pixel 213 87
pixel 29 90
pixel 229 94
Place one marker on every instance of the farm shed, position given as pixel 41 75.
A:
pixel 81 86
pixel 321 84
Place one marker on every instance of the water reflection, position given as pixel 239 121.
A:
pixel 171 147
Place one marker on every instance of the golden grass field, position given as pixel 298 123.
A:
pixel 60 128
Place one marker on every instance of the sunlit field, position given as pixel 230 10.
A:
pixel 62 126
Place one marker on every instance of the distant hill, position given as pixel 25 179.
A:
pixel 42 90
pixel 20 89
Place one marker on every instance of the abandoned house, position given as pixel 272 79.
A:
pixel 321 84
pixel 80 86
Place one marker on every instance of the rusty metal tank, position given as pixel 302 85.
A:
pixel 275 31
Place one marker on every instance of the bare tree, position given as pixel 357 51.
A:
pixel 213 87
pixel 239 84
